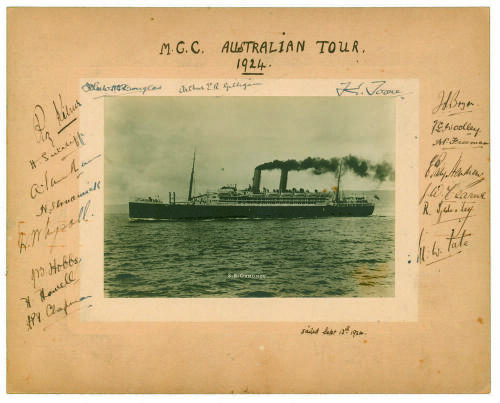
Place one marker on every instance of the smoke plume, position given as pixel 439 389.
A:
pixel 363 168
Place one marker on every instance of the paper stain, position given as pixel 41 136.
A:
pixel 480 320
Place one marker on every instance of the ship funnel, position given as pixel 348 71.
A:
pixel 283 180
pixel 256 180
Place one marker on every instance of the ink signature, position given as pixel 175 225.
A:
pixel 367 88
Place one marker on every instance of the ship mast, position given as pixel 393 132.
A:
pixel 337 197
pixel 192 179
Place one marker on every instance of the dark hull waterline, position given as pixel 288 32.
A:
pixel 160 211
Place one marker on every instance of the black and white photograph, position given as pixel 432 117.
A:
pixel 249 197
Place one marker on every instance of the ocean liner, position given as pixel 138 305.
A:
pixel 231 202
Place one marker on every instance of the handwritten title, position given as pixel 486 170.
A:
pixel 255 56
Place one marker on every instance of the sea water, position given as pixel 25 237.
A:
pixel 314 257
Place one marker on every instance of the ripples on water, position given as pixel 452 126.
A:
pixel 323 257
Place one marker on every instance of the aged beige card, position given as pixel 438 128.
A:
pixel 248 200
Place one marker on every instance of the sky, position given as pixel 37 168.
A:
pixel 150 141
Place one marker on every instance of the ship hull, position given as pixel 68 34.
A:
pixel 159 211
